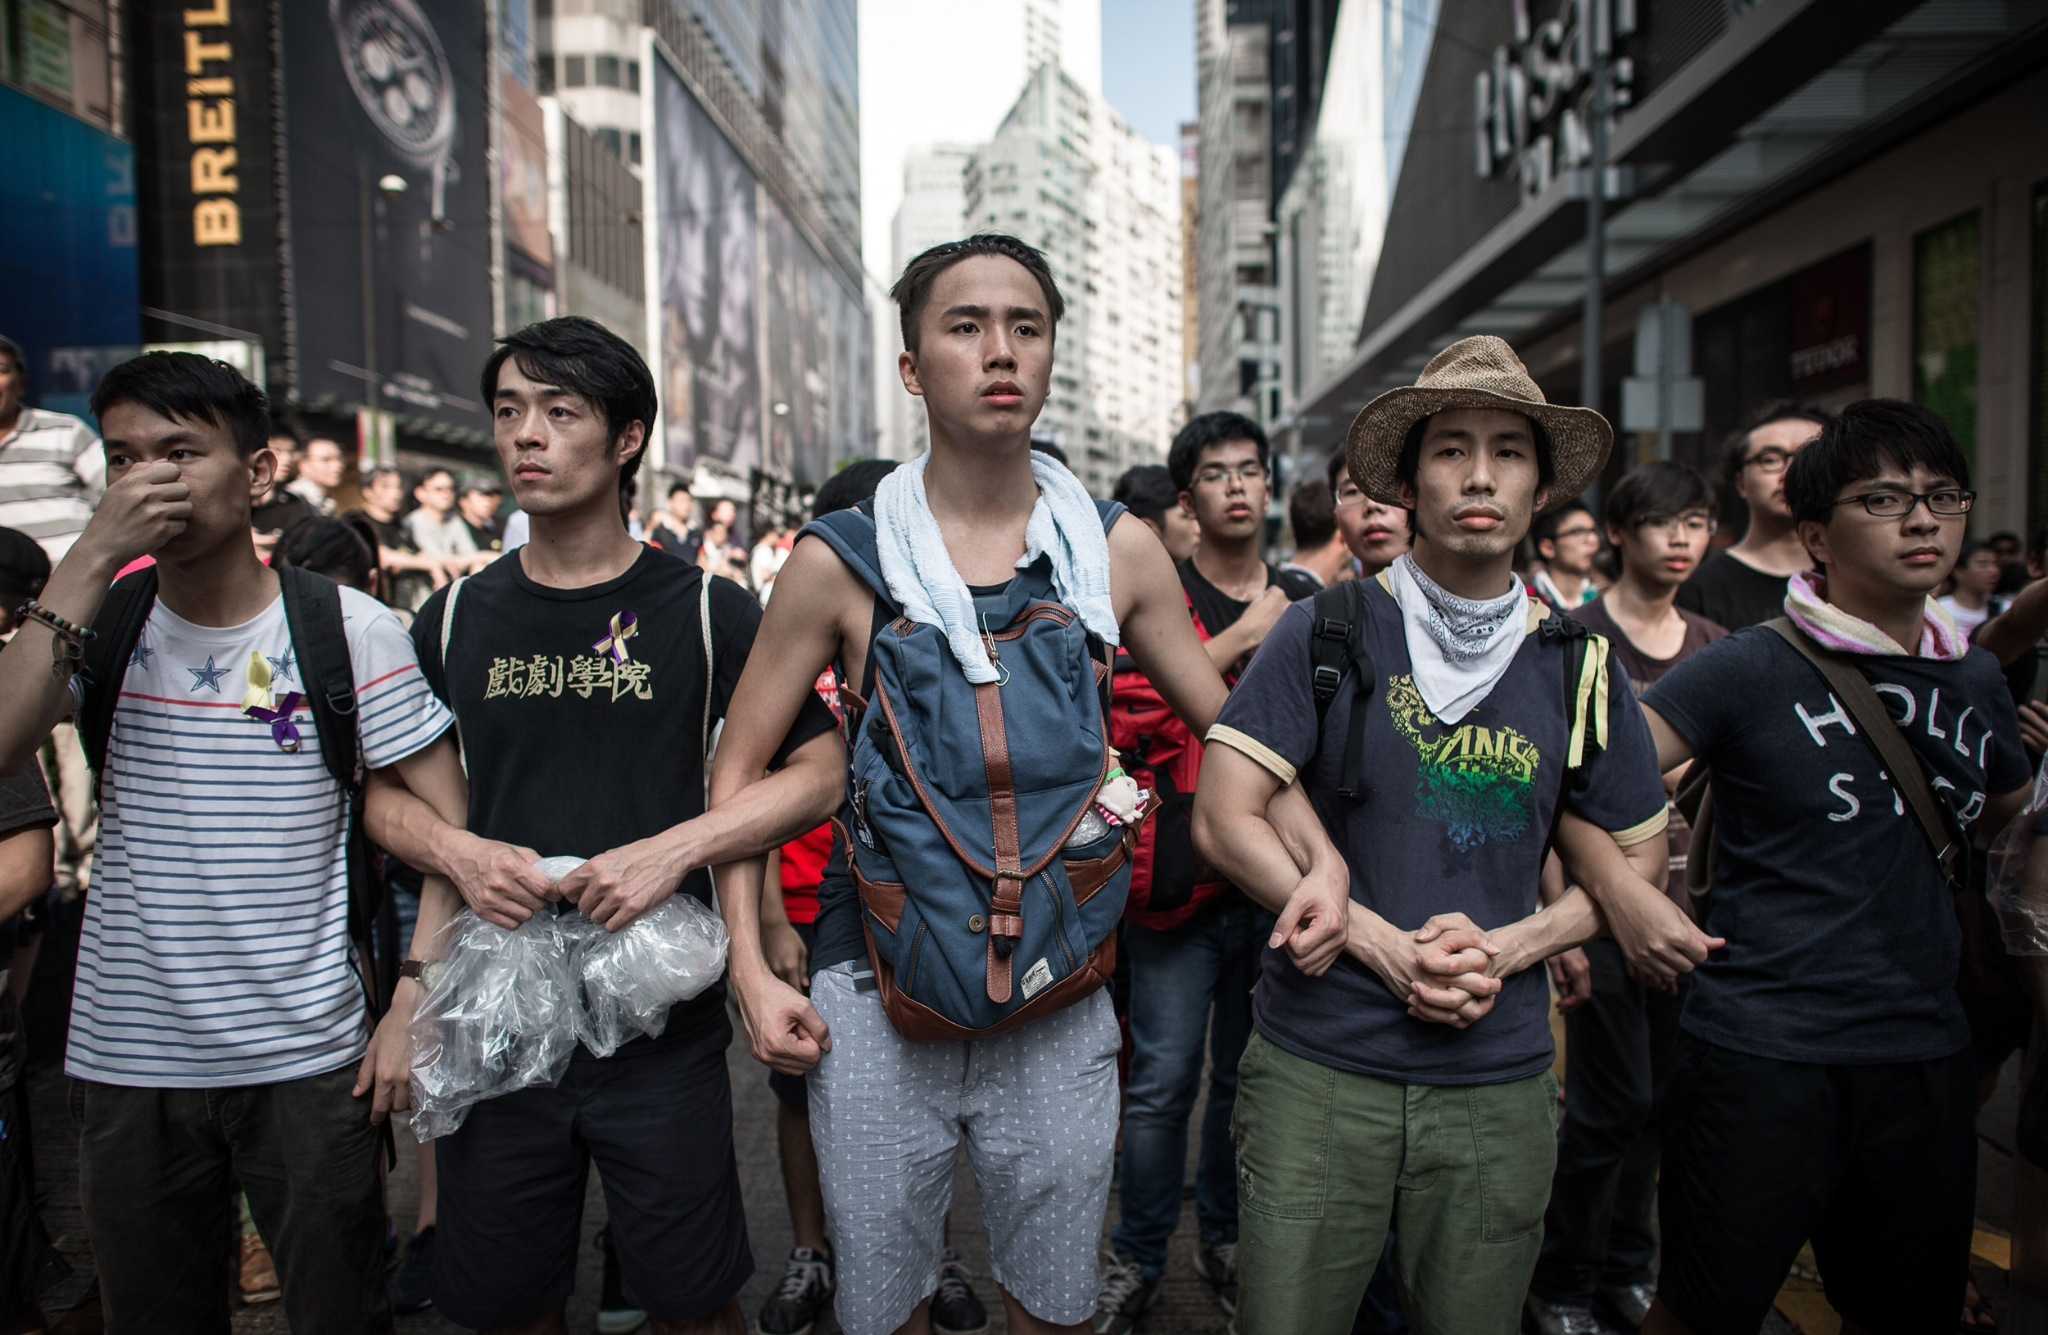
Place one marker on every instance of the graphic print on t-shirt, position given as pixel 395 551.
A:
pixel 1479 782
pixel 1964 732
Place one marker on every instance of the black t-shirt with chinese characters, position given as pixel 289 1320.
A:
pixel 1455 818
pixel 24 805
pixel 570 750
pixel 1842 938
pixel 1732 593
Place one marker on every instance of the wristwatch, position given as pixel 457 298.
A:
pixel 428 972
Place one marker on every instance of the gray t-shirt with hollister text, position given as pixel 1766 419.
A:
pixel 1454 818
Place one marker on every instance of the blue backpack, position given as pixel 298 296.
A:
pixel 990 886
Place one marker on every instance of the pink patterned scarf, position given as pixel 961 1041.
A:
pixel 1807 606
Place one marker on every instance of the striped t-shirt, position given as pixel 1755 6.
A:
pixel 52 471
pixel 215 949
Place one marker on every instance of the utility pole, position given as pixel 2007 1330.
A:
pixel 1598 37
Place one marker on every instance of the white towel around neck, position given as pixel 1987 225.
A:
pixel 922 580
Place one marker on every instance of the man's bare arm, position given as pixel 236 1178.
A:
pixel 25 861
pixel 1659 938
pixel 497 880
pixel 2013 633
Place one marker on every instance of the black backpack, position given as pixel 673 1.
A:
pixel 1338 653
pixel 312 610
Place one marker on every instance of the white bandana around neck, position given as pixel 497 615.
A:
pixel 1458 648
pixel 1064 525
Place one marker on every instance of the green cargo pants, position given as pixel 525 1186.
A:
pixel 1326 1159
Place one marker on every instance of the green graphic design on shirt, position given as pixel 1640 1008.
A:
pixel 1479 781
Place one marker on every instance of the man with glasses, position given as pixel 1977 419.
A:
pixel 1824 1086
pixel 1185 965
pixel 1374 532
pixel 1599 1242
pixel 1567 541
pixel 1745 585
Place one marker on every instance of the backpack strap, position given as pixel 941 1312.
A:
pixel 312 611
pixel 1337 650
pixel 447 633
pixel 1586 658
pixel 1875 722
pixel 117 629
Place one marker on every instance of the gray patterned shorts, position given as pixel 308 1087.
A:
pixel 1038 1109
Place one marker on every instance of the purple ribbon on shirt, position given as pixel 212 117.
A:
pixel 282 730
pixel 624 625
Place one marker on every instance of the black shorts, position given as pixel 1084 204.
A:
pixel 657 1119
pixel 792 1091
pixel 1875 1164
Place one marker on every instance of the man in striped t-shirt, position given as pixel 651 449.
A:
pixel 50 471
pixel 218 1019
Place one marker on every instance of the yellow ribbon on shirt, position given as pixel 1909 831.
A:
pixel 258 696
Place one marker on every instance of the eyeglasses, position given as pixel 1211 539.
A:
pixel 1769 460
pixel 1351 498
pixel 1216 474
pixel 1681 526
pixel 1947 501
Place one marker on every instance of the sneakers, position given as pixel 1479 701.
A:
pixel 1123 1298
pixel 1217 1265
pixel 802 1297
pixel 615 1315
pixel 1549 1318
pixel 955 1309
pixel 1629 1304
pixel 259 1273
pixel 412 1289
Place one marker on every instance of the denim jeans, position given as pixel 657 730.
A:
pixel 154 1178
pixel 1177 978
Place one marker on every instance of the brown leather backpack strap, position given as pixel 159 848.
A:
pixel 1859 697
pixel 1005 923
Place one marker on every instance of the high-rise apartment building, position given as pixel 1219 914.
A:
pixel 933 211
pixel 1240 319
pixel 1067 174
pixel 1190 264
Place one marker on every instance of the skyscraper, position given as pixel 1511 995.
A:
pixel 1065 173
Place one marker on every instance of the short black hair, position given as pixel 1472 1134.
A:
pixel 9 348
pixel 850 486
pixel 1147 491
pixel 1656 491
pixel 1736 448
pixel 1547 524
pixel 185 386
pixel 432 471
pixel 1858 444
pixel 343 549
pixel 1052 451
pixel 24 568
pixel 1312 514
pixel 1201 433
pixel 2003 535
pixel 679 485
pixel 370 475
pixel 1338 469
pixel 288 429
pixel 914 287
pixel 583 357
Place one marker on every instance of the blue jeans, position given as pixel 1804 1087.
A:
pixel 1176 977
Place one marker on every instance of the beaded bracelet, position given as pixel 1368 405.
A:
pixel 67 645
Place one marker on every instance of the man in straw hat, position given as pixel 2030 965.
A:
pixel 1409 1084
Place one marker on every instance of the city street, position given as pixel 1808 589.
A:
pixel 1183 1308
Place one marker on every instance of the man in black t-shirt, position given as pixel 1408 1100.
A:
pixel 1825 1086
pixel 1745 585
pixel 577 674
pixel 28 1264
pixel 1191 974
pixel 1599 1240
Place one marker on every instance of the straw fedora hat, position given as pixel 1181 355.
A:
pixel 1477 372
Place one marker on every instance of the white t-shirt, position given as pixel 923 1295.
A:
pixel 215 948
pixel 1967 619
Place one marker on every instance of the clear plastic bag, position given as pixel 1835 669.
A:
pixel 501 1016
pixel 507 1009
pixel 2018 886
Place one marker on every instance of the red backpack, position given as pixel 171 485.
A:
pixel 1170 881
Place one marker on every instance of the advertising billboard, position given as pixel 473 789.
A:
pixel 204 132
pixel 69 266
pixel 524 155
pixel 706 245
pixel 389 264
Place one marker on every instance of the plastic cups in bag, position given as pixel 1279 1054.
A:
pixel 507 1009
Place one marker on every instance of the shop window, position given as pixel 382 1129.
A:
pixel 1948 272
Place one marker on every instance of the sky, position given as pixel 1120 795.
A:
pixel 1148 64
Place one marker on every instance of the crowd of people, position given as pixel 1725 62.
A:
pixel 1037 821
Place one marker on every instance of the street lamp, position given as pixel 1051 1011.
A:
pixel 388 186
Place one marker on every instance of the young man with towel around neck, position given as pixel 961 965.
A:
pixel 1036 1104
pixel 1410 1084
